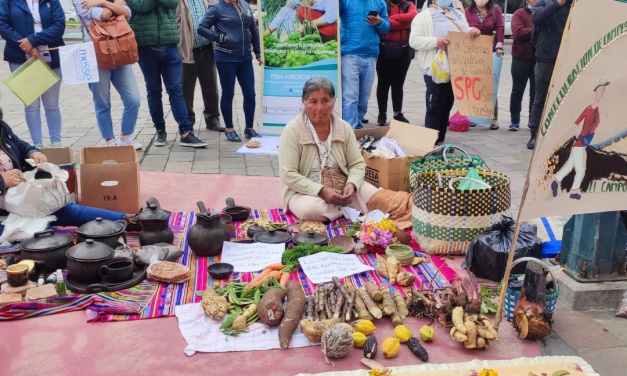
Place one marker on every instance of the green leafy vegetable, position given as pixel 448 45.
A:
pixel 487 305
pixel 291 256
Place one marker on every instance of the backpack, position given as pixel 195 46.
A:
pixel 114 42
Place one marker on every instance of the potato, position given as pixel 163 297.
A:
pixel 313 329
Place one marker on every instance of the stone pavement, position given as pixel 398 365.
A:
pixel 597 336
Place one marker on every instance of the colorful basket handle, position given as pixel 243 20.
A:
pixel 544 264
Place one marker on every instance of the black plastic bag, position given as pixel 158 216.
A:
pixel 487 253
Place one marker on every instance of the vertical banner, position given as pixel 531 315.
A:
pixel 472 76
pixel 579 164
pixel 78 63
pixel 299 41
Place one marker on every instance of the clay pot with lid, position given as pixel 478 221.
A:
pixel 273 236
pixel 207 235
pixel 85 259
pixel 47 249
pixel 310 236
pixel 155 224
pixel 105 231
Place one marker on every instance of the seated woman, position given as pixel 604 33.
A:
pixel 13 159
pixel 317 139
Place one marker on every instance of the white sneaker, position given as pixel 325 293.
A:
pixel 112 142
pixel 128 139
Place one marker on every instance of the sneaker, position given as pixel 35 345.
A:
pixel 112 142
pixel 38 146
pixel 56 144
pixel 364 120
pixel 514 127
pixel 128 139
pixel 532 143
pixel 494 126
pixel 382 119
pixel 192 141
pixel 400 117
pixel 160 139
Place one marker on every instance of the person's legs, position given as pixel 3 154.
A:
pixel 400 68
pixel 208 78
pixel 150 64
pixel 32 115
pixel 50 100
pixel 101 93
pixel 519 83
pixel 78 215
pixel 543 73
pixel 366 80
pixel 362 196
pixel 532 84
pixel 189 76
pixel 124 82
pixel 435 107
pixel 448 100
pixel 579 165
pixel 312 208
pixel 384 77
pixel 227 73
pixel 567 167
pixel 246 80
pixel 172 78
pixel 350 89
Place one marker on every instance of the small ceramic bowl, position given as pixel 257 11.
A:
pixel 221 270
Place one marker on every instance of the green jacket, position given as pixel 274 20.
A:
pixel 153 22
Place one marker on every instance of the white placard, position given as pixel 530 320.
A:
pixel 322 267
pixel 78 63
pixel 251 257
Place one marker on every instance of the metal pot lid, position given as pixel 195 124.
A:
pixel 154 213
pixel 101 227
pixel 310 237
pixel 272 236
pixel 46 240
pixel 90 250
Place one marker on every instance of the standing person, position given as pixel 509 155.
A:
pixel 198 63
pixel 30 28
pixel 122 78
pixel 362 23
pixel 231 25
pixel 487 16
pixel 523 62
pixel 429 33
pixel 157 35
pixel 395 55
pixel 549 20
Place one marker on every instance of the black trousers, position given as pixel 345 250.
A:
pixel 543 73
pixel 203 70
pixel 522 71
pixel 440 101
pixel 391 73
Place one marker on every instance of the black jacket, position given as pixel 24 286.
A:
pixel 549 20
pixel 17 149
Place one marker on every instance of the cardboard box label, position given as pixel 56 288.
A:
pixel 372 175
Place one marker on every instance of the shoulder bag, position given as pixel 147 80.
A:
pixel 330 177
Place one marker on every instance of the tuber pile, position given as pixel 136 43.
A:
pixel 474 331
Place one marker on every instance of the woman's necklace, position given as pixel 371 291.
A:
pixel 482 15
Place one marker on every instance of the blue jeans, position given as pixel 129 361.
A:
pixel 50 99
pixel 245 75
pixel 357 78
pixel 166 64
pixel 124 82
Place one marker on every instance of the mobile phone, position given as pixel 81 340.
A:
pixel 373 13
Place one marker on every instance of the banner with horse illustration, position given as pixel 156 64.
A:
pixel 579 163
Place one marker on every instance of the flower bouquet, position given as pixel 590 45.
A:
pixel 376 236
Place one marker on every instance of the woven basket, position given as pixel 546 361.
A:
pixel 445 220
pixel 511 296
pixel 403 253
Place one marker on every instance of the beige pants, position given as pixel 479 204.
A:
pixel 313 208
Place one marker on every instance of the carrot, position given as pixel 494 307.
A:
pixel 284 278
pixel 276 274
pixel 277 266
pixel 258 280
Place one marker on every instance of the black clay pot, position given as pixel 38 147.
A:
pixel 273 236
pixel 85 259
pixel 155 224
pixel 104 231
pixel 310 237
pixel 207 235
pixel 237 213
pixel 47 249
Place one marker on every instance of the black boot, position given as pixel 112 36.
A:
pixel 532 143
pixel 382 119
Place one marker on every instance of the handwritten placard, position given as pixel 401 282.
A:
pixel 323 266
pixel 470 61
pixel 251 257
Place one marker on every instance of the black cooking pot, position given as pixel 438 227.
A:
pixel 253 229
pixel 104 231
pixel 313 237
pixel 47 249
pixel 238 213
pixel 85 259
pixel 273 236
pixel 155 224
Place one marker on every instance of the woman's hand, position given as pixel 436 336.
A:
pixel 12 179
pixel 87 4
pixel 474 32
pixel 330 196
pixel 500 52
pixel 260 61
pixel 26 46
pixel 443 42
pixel 39 157
pixel 349 192
pixel 374 20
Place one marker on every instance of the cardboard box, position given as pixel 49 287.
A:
pixel 64 158
pixel 393 174
pixel 110 178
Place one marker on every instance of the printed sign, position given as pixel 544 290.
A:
pixel 579 164
pixel 471 65
pixel 78 63
pixel 251 257
pixel 322 267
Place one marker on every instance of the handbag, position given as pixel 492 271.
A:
pixel 332 178
pixel 114 42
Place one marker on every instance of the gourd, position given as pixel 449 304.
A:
pixel 427 333
pixel 390 347
pixel 359 339
pixel 403 333
pixel 364 326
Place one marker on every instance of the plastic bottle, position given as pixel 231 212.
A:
pixel 60 286
pixel 52 278
pixel 40 281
